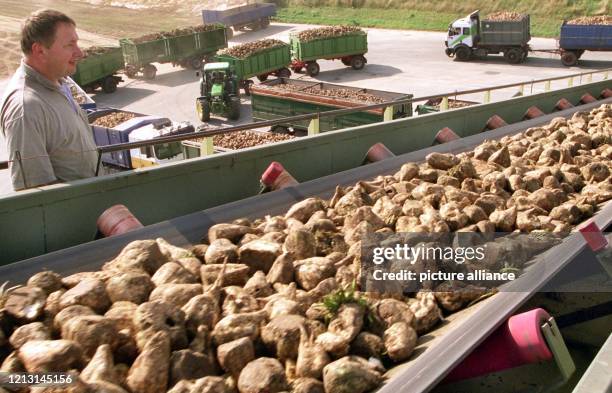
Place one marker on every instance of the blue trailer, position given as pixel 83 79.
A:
pixel 254 16
pixel 576 39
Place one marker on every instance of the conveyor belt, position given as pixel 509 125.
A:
pixel 443 352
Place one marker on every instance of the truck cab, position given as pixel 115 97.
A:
pixel 161 153
pixel 462 33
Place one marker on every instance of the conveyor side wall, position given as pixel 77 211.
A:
pixel 41 220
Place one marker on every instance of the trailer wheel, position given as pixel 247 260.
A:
pixel 234 108
pixel 463 53
pixel 246 85
pixel 149 71
pixel 196 63
pixel 203 110
pixel 514 55
pixel 358 62
pixel 569 58
pixel 130 71
pixel 284 73
pixel 346 61
pixel 109 85
pixel 264 23
pixel 312 68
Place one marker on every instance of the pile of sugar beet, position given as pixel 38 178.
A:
pixel 269 305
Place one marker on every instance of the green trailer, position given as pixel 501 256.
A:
pixel 349 48
pixel 98 70
pixel 188 50
pixel 280 98
pixel 271 61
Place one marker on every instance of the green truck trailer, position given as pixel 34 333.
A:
pixel 98 69
pixel 279 98
pixel 188 50
pixel 349 48
pixel 270 61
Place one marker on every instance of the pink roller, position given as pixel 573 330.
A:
pixel 276 177
pixel 517 342
pixel 446 135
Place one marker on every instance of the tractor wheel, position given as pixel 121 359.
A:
pixel 109 85
pixel 203 110
pixel 262 78
pixel 514 55
pixel 358 62
pixel 149 71
pixel 234 108
pixel 284 73
pixel 463 53
pixel 569 58
pixel 312 68
pixel 196 63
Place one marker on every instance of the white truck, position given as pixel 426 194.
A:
pixel 472 37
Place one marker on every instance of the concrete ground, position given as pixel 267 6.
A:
pixel 400 61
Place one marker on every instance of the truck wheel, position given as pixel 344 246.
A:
pixel 358 62
pixel 284 73
pixel 109 85
pixel 569 58
pixel 234 108
pixel 149 71
pixel 196 63
pixel 203 110
pixel 514 55
pixel 262 78
pixel 264 23
pixel 312 68
pixel 463 53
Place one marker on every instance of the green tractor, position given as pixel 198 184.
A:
pixel 219 92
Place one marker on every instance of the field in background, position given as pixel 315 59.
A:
pixel 546 15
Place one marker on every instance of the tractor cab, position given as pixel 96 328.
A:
pixel 219 92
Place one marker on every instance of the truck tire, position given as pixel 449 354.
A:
pixel 312 68
pixel 149 71
pixel 109 85
pixel 196 63
pixel 513 55
pixel 203 110
pixel 569 58
pixel 284 73
pixel 358 62
pixel 463 53
pixel 234 108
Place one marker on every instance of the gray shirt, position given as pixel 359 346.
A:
pixel 50 131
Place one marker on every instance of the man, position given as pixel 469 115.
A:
pixel 48 137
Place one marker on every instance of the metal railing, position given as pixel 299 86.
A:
pixel 314 117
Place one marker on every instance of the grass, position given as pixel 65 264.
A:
pixel 424 15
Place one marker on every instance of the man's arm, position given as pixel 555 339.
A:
pixel 26 135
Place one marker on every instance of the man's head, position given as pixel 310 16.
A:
pixel 49 43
